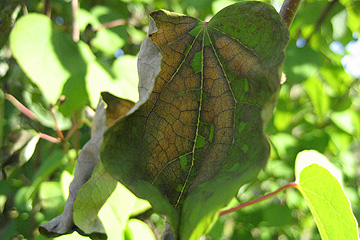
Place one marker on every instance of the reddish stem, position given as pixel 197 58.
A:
pixel 75 27
pixel 57 128
pixel 49 138
pixel 115 23
pixel 20 106
pixel 260 199
pixel 72 130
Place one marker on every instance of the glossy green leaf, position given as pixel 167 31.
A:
pixel 197 134
pixel 319 182
pixel 108 40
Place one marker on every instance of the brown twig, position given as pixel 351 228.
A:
pixel 57 128
pixel 75 27
pixel 260 199
pixel 24 8
pixel 115 23
pixel 288 11
pixel 47 8
pixel 73 130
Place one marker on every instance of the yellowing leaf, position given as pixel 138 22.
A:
pixel 197 133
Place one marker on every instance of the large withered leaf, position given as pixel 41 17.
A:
pixel 190 144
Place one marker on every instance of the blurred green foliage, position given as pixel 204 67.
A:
pixel 318 108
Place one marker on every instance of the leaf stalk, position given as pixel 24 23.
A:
pixel 260 199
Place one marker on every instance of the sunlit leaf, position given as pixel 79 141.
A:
pixel 319 182
pixel 50 58
pixel 117 210
pixel 201 128
pixel 59 65
pixel 137 230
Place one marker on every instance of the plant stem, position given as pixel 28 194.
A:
pixel 260 199
pixel 24 8
pixel 57 128
pixel 288 11
pixel 115 23
pixel 75 27
pixel 49 138
pixel 47 8
pixel 20 106
pixel 73 130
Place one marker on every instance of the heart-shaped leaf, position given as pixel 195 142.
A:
pixel 320 184
pixel 197 133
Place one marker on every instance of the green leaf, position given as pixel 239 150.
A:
pixel 17 150
pixel 319 98
pixel 319 182
pixel 39 105
pixel 348 121
pixel 197 134
pixel 117 210
pixel 353 14
pixel 51 196
pixel 301 63
pixel 108 40
pixel 48 167
pixel 137 230
pixel 90 199
pixel 87 160
pixel 123 82
pixel 51 59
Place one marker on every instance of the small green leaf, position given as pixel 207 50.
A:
pixel 319 183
